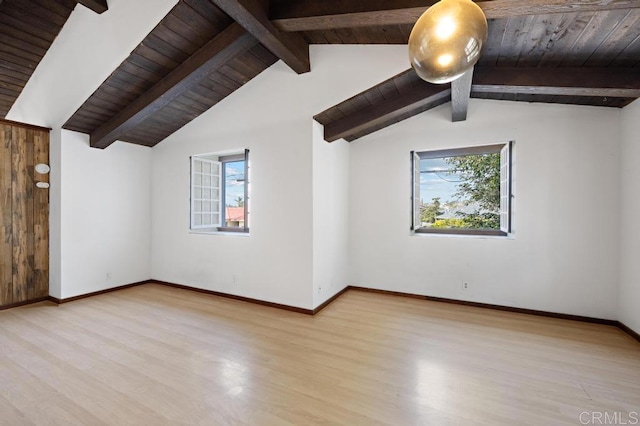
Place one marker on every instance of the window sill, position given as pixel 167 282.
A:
pixel 486 234
pixel 214 231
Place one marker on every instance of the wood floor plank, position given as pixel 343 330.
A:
pixel 158 355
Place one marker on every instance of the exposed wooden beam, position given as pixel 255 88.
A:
pixel 584 81
pixel 233 41
pixel 306 15
pixel 460 93
pixel 422 95
pixel 98 6
pixel 407 95
pixel 252 15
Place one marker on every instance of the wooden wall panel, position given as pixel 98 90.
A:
pixel 24 236
pixel 6 255
pixel 41 218
pixel 19 209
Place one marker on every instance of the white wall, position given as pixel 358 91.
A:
pixel 564 257
pixel 271 116
pixel 106 201
pixel 330 216
pixel 629 291
pixel 87 50
pixel 299 245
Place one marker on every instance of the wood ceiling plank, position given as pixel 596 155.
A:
pixel 163 48
pixel 17 88
pixel 210 12
pixel 265 57
pixel 20 44
pixel 179 22
pixel 29 22
pixel 11 77
pixel 232 74
pixel 491 49
pixel 10 67
pixel 616 42
pixel 602 24
pixel 19 57
pixel 220 80
pixel 173 41
pixel 128 74
pixel 291 48
pixel 540 38
pixel 565 36
pixel 196 21
pixel 23 23
pixel 12 29
pixel 203 96
pixel 153 60
pixel 629 56
pixel 99 110
pixel 57 7
pixel 308 15
pixel 44 12
pixel 247 64
pixel 514 39
pixel 228 44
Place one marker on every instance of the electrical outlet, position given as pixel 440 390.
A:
pixel 319 289
pixel 465 285
pixel 108 276
pixel 234 279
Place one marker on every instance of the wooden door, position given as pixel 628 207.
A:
pixel 24 214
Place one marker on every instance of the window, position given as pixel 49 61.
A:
pixel 463 191
pixel 220 192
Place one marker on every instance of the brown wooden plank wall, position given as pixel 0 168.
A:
pixel 24 214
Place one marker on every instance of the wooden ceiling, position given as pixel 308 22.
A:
pixel 27 29
pixel 585 57
pixel 556 51
pixel 192 28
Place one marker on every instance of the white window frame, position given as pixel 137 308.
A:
pixel 506 188
pixel 215 185
pixel 215 224
pixel 244 156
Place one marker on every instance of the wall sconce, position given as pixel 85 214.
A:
pixel 42 168
pixel 42 185
pixel 447 39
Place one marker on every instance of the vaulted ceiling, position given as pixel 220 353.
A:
pixel 27 30
pixel 555 51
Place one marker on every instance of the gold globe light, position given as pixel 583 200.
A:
pixel 447 40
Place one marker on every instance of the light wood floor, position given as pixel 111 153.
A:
pixel 156 355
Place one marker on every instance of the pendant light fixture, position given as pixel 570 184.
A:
pixel 447 39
